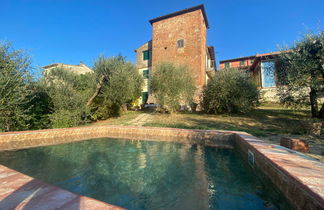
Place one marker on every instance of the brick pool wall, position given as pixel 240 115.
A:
pixel 298 177
pixel 27 139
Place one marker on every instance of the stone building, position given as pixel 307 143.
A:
pixel 77 69
pixel 180 38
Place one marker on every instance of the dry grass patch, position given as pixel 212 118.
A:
pixel 122 120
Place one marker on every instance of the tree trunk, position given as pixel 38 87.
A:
pixel 321 112
pixel 96 93
pixel 124 107
pixel 313 101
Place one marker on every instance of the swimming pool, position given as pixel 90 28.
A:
pixel 149 175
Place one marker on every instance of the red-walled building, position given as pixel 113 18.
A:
pixel 262 66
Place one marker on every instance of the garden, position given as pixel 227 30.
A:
pixel 230 100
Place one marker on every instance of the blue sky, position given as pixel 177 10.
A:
pixel 70 31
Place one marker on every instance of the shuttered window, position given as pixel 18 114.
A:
pixel 146 55
pixel 144 97
pixel 146 74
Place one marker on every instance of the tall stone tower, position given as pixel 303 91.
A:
pixel 180 38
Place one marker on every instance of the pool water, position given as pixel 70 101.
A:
pixel 149 175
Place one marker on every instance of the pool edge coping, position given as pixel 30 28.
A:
pixel 32 186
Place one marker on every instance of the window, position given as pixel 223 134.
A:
pixel 180 43
pixel 268 74
pixel 242 63
pixel 146 74
pixel 212 63
pixel 251 61
pixel 144 97
pixel 227 65
pixel 146 55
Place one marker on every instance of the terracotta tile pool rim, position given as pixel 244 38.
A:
pixel 317 197
pixel 52 188
pixel 296 177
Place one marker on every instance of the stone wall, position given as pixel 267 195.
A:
pixel 140 62
pixel 270 95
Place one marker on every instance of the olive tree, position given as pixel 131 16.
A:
pixel 231 90
pixel 302 73
pixel 69 93
pixel 15 79
pixel 118 83
pixel 172 85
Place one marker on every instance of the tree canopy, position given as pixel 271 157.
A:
pixel 62 98
pixel 302 73
pixel 172 85
pixel 69 93
pixel 15 80
pixel 118 83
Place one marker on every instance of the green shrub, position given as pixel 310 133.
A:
pixel 66 118
pixel 39 107
pixel 230 91
pixel 69 93
pixel 172 86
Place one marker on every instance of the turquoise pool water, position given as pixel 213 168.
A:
pixel 149 175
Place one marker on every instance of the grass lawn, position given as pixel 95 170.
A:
pixel 261 122
pixel 269 122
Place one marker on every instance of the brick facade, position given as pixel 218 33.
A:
pixel 190 26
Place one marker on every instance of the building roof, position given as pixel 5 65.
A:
pixel 198 7
pixel 268 54
pixel 78 69
pixel 251 57
pixel 149 43
pixel 237 59
pixel 264 56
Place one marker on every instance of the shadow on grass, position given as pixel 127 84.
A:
pixel 259 122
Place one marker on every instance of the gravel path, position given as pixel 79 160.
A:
pixel 140 120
